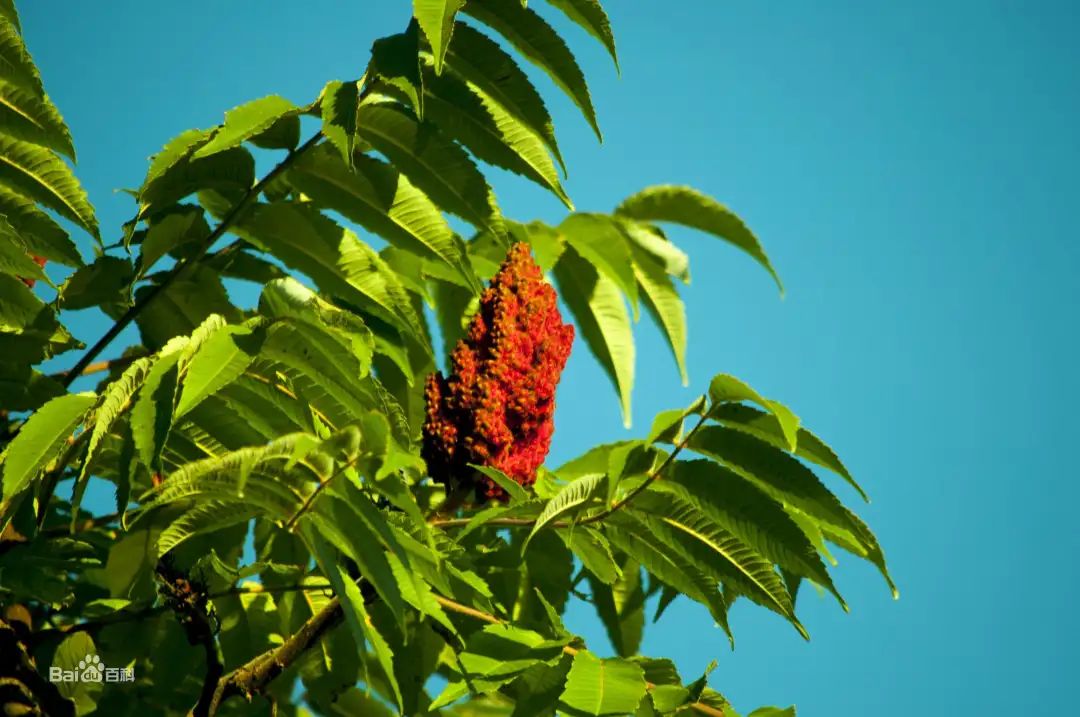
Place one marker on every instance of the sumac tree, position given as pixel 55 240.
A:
pixel 409 552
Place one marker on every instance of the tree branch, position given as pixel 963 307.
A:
pixel 157 289
pixel 257 673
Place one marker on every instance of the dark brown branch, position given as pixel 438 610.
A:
pixel 253 677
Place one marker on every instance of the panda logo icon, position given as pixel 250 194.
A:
pixel 90 669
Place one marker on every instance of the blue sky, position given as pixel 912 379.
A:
pixel 912 170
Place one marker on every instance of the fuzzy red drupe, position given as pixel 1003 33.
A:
pixel 497 406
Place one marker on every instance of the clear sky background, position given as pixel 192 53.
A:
pixel 912 170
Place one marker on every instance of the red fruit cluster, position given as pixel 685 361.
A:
pixel 497 406
pixel 40 260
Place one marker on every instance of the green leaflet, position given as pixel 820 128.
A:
pixel 33 118
pixel 466 113
pixel 652 240
pixel 218 361
pixel 669 566
pixel 152 413
pixel 621 608
pixel 436 19
pixel 345 528
pixel 70 654
pixel 574 494
pixel 246 122
pixel 334 257
pixel 40 440
pixel 37 173
pixel 514 489
pixel 29 330
pixel 691 208
pixel 725 389
pixel 777 473
pixel 594 551
pixel 751 515
pixel 105 283
pixel 590 15
pixel 356 614
pixel 205 517
pixel 39 233
pixel 766 427
pixel 602 687
pixel 176 174
pixel 600 240
pixel 14 258
pixel 600 314
pixel 663 303
pixel 496 655
pixel 18 67
pixel 113 402
pixel 183 226
pixel 684 527
pixel 538 42
pixel 384 201
pixel 395 63
pixel 339 103
pixel 432 162
pixel 480 61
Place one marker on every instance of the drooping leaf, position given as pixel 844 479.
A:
pixel 395 62
pixel 686 528
pixel 333 257
pixel 436 19
pixel 590 15
pixel 541 44
pixel 597 305
pixel 34 171
pixel 482 63
pixel 621 608
pixel 340 102
pixel 33 118
pixel 750 514
pixel 599 239
pixel 431 162
pixel 766 427
pixel 218 361
pixel 41 438
pixel 691 208
pixel 382 200
pixel 664 304
pixel 39 233
pixel 113 402
pixel 466 113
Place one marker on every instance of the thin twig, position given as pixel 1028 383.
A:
pixel 100 366
pixel 318 490
pixel 653 475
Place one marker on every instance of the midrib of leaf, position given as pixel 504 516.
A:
pixel 784 610
pixel 42 182
pixel 433 171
